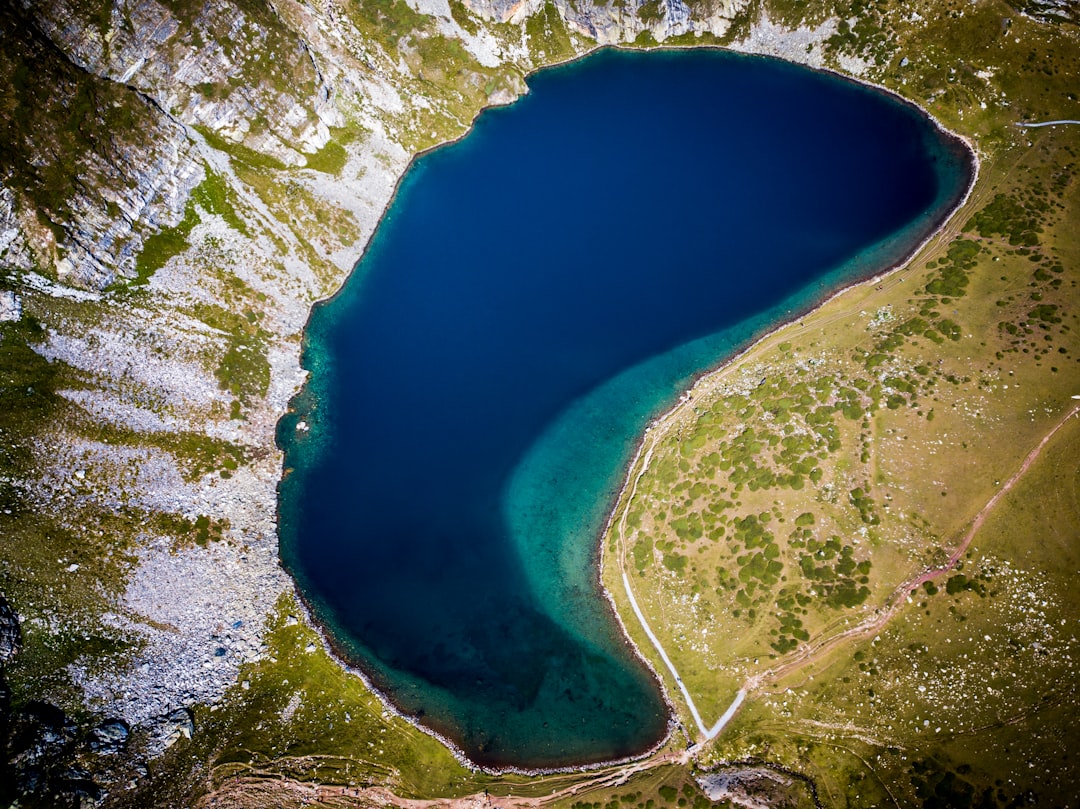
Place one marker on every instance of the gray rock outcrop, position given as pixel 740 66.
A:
pixel 14 252
pixel 165 731
pixel 89 166
pixel 613 23
pixel 10 632
pixel 110 737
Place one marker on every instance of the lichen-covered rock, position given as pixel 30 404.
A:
pixel 109 737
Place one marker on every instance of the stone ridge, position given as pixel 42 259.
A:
pixel 612 24
pixel 86 164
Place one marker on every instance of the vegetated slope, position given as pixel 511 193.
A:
pixel 787 503
pixel 181 180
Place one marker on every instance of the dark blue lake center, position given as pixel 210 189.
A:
pixel 535 294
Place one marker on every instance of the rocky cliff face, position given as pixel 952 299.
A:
pixel 612 24
pixel 233 68
pixel 119 160
pixel 86 164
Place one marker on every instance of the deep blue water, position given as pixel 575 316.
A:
pixel 534 295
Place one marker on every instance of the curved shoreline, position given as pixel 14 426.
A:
pixel 658 427
pixel 335 649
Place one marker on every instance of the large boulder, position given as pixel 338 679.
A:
pixel 109 737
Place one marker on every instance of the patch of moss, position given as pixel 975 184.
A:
pixel 952 276
pixel 463 17
pixel 243 368
pixel 1004 216
pixel 163 245
pixel 239 151
pixel 548 37
pixel 650 12
pixel 28 385
pixel 388 20
pixel 217 198
pixel 330 159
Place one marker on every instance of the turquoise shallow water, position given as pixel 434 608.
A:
pixel 535 294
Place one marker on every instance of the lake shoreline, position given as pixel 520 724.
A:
pixel 338 650
pixel 658 426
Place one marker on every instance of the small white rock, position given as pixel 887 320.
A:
pixel 10 306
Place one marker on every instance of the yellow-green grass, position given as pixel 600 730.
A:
pixel 898 487
pixel 977 683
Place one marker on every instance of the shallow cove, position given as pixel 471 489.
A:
pixel 535 293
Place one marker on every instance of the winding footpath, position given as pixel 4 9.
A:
pixel 653 434
pixel 1048 123
pixel 708 732
pixel 809 651
pixel 898 599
